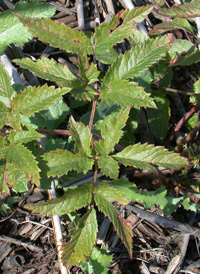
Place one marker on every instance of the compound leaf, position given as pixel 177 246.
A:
pixel 82 240
pixel 12 31
pixel 58 35
pixel 49 70
pixel 34 99
pixel 111 132
pixel 123 227
pixel 24 136
pixel 144 156
pixel 60 162
pixel 72 200
pixel 23 160
pixel 138 59
pixel 187 10
pixel 125 93
pixel 107 34
pixel 82 137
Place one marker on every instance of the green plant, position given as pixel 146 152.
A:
pixel 114 98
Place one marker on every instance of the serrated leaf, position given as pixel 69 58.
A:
pixel 102 110
pixel 132 193
pixel 23 160
pixel 187 10
pixel 12 31
pixel 123 227
pixel 49 70
pixel 137 14
pixel 5 84
pixel 3 114
pixel 108 35
pixel 110 194
pixel 137 60
pixel 109 167
pixel 111 132
pixel 60 162
pixel 168 26
pixel 72 200
pixel 159 118
pixel 98 262
pixel 58 35
pixel 12 175
pixel 19 137
pixel 137 37
pixel 146 156
pixel 3 184
pixel 54 115
pixel 83 93
pixel 92 74
pixel 13 120
pixel 125 93
pixel 34 99
pixel 82 137
pixel 196 89
pixel 82 240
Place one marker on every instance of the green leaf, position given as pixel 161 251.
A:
pixel 102 110
pixel 12 31
pixel 34 99
pixel 49 70
pixel 137 60
pixel 92 74
pixel 137 37
pixel 109 167
pixel 19 137
pixel 13 119
pixel 168 26
pixel 107 34
pixel 125 93
pixel 145 156
pixel 132 193
pixel 123 227
pixel 72 200
pixel 23 160
pixel 5 84
pixel 196 89
pixel 110 194
pixel 98 262
pixel 159 118
pixel 60 162
pixel 137 14
pixel 3 184
pixel 58 35
pixel 4 111
pixel 187 10
pixel 82 137
pixel 82 239
pixel 12 175
pixel 111 132
pixel 54 115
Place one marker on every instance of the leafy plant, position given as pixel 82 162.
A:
pixel 124 89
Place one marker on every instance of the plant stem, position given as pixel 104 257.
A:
pixel 94 104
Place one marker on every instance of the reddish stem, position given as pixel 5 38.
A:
pixel 182 121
